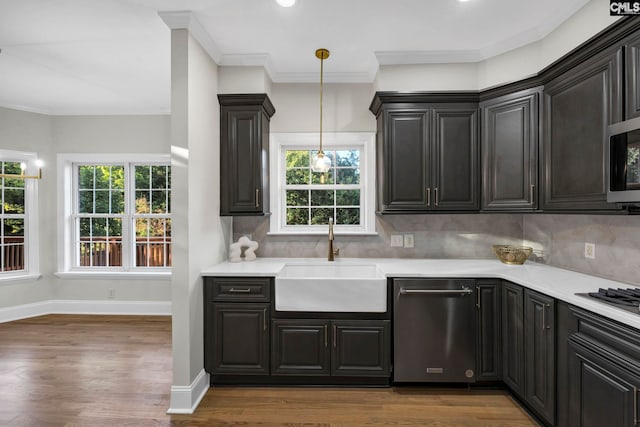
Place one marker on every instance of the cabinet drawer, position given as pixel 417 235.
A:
pixel 239 288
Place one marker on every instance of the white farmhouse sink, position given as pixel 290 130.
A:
pixel 331 287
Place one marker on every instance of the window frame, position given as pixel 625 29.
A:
pixel 67 167
pixel 281 142
pixel 31 217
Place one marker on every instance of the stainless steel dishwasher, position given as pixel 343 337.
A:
pixel 434 330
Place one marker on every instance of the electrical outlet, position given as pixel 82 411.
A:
pixel 590 250
pixel 112 293
pixel 397 241
pixel 408 240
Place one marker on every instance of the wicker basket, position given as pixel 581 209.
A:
pixel 512 254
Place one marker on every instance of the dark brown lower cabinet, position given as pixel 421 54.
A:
pixel 488 344
pixel 300 347
pixel 240 339
pixel 602 393
pixel 331 347
pixel 513 338
pixel 540 354
pixel 528 348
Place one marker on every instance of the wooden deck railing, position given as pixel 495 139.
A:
pixel 13 254
pixel 150 252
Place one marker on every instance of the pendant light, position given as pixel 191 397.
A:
pixel 321 162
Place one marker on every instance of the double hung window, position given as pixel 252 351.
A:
pixel 119 214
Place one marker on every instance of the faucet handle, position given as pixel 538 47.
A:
pixel 336 252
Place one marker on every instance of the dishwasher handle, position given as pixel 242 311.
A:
pixel 461 292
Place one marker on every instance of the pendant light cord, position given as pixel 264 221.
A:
pixel 321 79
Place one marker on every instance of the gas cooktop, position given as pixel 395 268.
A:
pixel 626 299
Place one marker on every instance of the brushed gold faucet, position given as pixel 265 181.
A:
pixel 332 252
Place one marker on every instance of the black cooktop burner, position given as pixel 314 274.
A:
pixel 626 299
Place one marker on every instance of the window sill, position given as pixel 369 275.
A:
pixel 322 233
pixel 142 275
pixel 22 277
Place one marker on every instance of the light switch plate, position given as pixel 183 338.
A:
pixel 408 240
pixel 397 241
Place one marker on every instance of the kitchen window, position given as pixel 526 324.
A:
pixel 18 215
pixel 118 214
pixel 303 201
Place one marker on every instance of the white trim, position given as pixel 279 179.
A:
pixel 137 308
pixel 282 141
pixel 185 399
pixel 110 275
pixel 187 20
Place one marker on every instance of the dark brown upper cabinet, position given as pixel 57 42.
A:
pixel 632 77
pixel 244 154
pixel 578 106
pixel 427 152
pixel 509 145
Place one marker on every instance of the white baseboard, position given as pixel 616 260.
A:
pixel 148 308
pixel 185 399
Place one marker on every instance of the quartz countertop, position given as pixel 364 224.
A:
pixel 553 281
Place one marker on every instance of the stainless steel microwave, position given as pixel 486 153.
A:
pixel 623 162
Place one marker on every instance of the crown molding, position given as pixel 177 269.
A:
pixel 249 60
pixel 186 20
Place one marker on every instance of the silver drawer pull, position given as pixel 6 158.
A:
pixel 635 406
pixel 463 291
pixel 239 291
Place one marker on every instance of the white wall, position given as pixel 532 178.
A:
pixel 510 66
pixel 346 108
pixel 23 131
pixel 243 79
pixel 47 136
pixel 200 235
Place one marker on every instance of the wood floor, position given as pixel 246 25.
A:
pixel 64 370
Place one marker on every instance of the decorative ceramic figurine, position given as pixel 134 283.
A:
pixel 235 250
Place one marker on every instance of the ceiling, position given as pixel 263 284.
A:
pixel 113 56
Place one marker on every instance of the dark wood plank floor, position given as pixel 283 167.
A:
pixel 67 370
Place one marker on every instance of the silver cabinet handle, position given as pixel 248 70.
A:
pixel 335 334
pixel 463 291
pixel 264 318
pixel 478 297
pixel 325 336
pixel 436 189
pixel 428 196
pixel 531 196
pixel 544 321
pixel 257 197
pixel 239 291
pixel 635 406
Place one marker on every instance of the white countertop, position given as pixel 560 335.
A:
pixel 556 282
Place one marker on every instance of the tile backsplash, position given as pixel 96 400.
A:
pixel 562 237
pixel 435 236
pixel 559 237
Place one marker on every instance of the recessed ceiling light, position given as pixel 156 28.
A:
pixel 463 1
pixel 286 3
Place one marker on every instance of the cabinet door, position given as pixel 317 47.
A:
pixel 300 347
pixel 512 337
pixel 489 337
pixel 403 157
pixel 578 107
pixel 632 78
pixel 455 154
pixel 241 180
pixel 361 348
pixel 539 354
pixel 510 151
pixel 240 339
pixel 600 394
